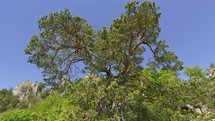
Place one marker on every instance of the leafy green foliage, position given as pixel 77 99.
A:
pixel 20 115
pixel 194 72
pixel 7 100
pixel 155 95
pixel 117 86
pixel 54 108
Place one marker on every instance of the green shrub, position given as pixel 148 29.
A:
pixel 19 115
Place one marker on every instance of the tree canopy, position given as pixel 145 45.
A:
pixel 118 51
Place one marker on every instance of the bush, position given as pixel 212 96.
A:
pixel 20 115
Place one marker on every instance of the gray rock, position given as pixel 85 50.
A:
pixel 197 110
pixel 26 89
pixel 211 72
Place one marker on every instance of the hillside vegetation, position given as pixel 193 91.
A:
pixel 121 83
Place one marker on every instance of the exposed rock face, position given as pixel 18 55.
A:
pixel 211 72
pixel 26 89
pixel 189 108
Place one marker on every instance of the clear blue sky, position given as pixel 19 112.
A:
pixel 187 25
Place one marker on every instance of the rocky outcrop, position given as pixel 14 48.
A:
pixel 211 72
pixel 27 89
pixel 191 109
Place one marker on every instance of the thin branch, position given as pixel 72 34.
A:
pixel 55 55
pixel 151 49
